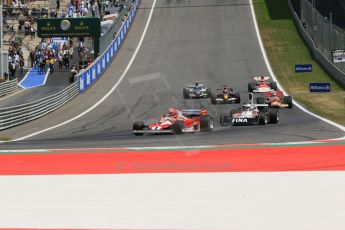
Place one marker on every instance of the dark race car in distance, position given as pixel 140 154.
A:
pixel 225 95
pixel 196 90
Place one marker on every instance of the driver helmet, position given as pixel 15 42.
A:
pixel 172 111
pixel 231 89
pixel 196 83
pixel 262 79
pixel 246 107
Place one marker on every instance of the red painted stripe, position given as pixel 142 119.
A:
pixel 296 158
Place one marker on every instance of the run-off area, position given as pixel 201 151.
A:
pixel 282 200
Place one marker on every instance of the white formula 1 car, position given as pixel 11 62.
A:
pixel 251 114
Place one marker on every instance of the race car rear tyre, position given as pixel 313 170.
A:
pixel 185 94
pixel 209 93
pixel 273 116
pixel 213 99
pixel 138 125
pixel 262 119
pixel 260 100
pixel 273 85
pixel 288 101
pixel 251 87
pixel 224 120
pixel 238 98
pixel 206 124
pixel 178 127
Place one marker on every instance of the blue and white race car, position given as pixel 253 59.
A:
pixel 196 90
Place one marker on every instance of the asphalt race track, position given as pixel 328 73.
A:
pixel 212 41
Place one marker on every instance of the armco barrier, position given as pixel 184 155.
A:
pixel 328 65
pixel 94 71
pixel 19 114
pixel 8 87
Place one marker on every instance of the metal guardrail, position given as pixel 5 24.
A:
pixel 8 87
pixel 326 35
pixel 19 114
pixel 318 55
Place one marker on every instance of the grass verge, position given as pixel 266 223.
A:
pixel 285 48
pixel 5 138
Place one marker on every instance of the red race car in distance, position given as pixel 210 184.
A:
pixel 275 99
pixel 262 84
pixel 177 122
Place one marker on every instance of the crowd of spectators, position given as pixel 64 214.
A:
pixel 48 52
pixel 15 61
pixel 44 56
pixel 78 8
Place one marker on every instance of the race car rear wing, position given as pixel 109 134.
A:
pixel 266 78
pixel 262 90
pixel 194 112
pixel 261 105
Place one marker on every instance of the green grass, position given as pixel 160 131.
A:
pixel 5 138
pixel 285 48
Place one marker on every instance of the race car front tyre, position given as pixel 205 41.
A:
pixel 213 99
pixel 206 124
pixel 185 94
pixel 224 120
pixel 273 85
pixel 262 119
pixel 273 116
pixel 209 93
pixel 251 87
pixel 238 98
pixel 288 101
pixel 260 100
pixel 138 125
pixel 178 127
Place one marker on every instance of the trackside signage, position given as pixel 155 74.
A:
pixel 338 56
pixel 95 70
pixel 320 87
pixel 302 68
pixel 68 27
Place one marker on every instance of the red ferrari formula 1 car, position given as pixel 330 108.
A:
pixel 177 122
pixel 275 99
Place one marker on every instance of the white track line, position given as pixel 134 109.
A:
pixel 275 79
pixel 109 92
pixel 26 75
